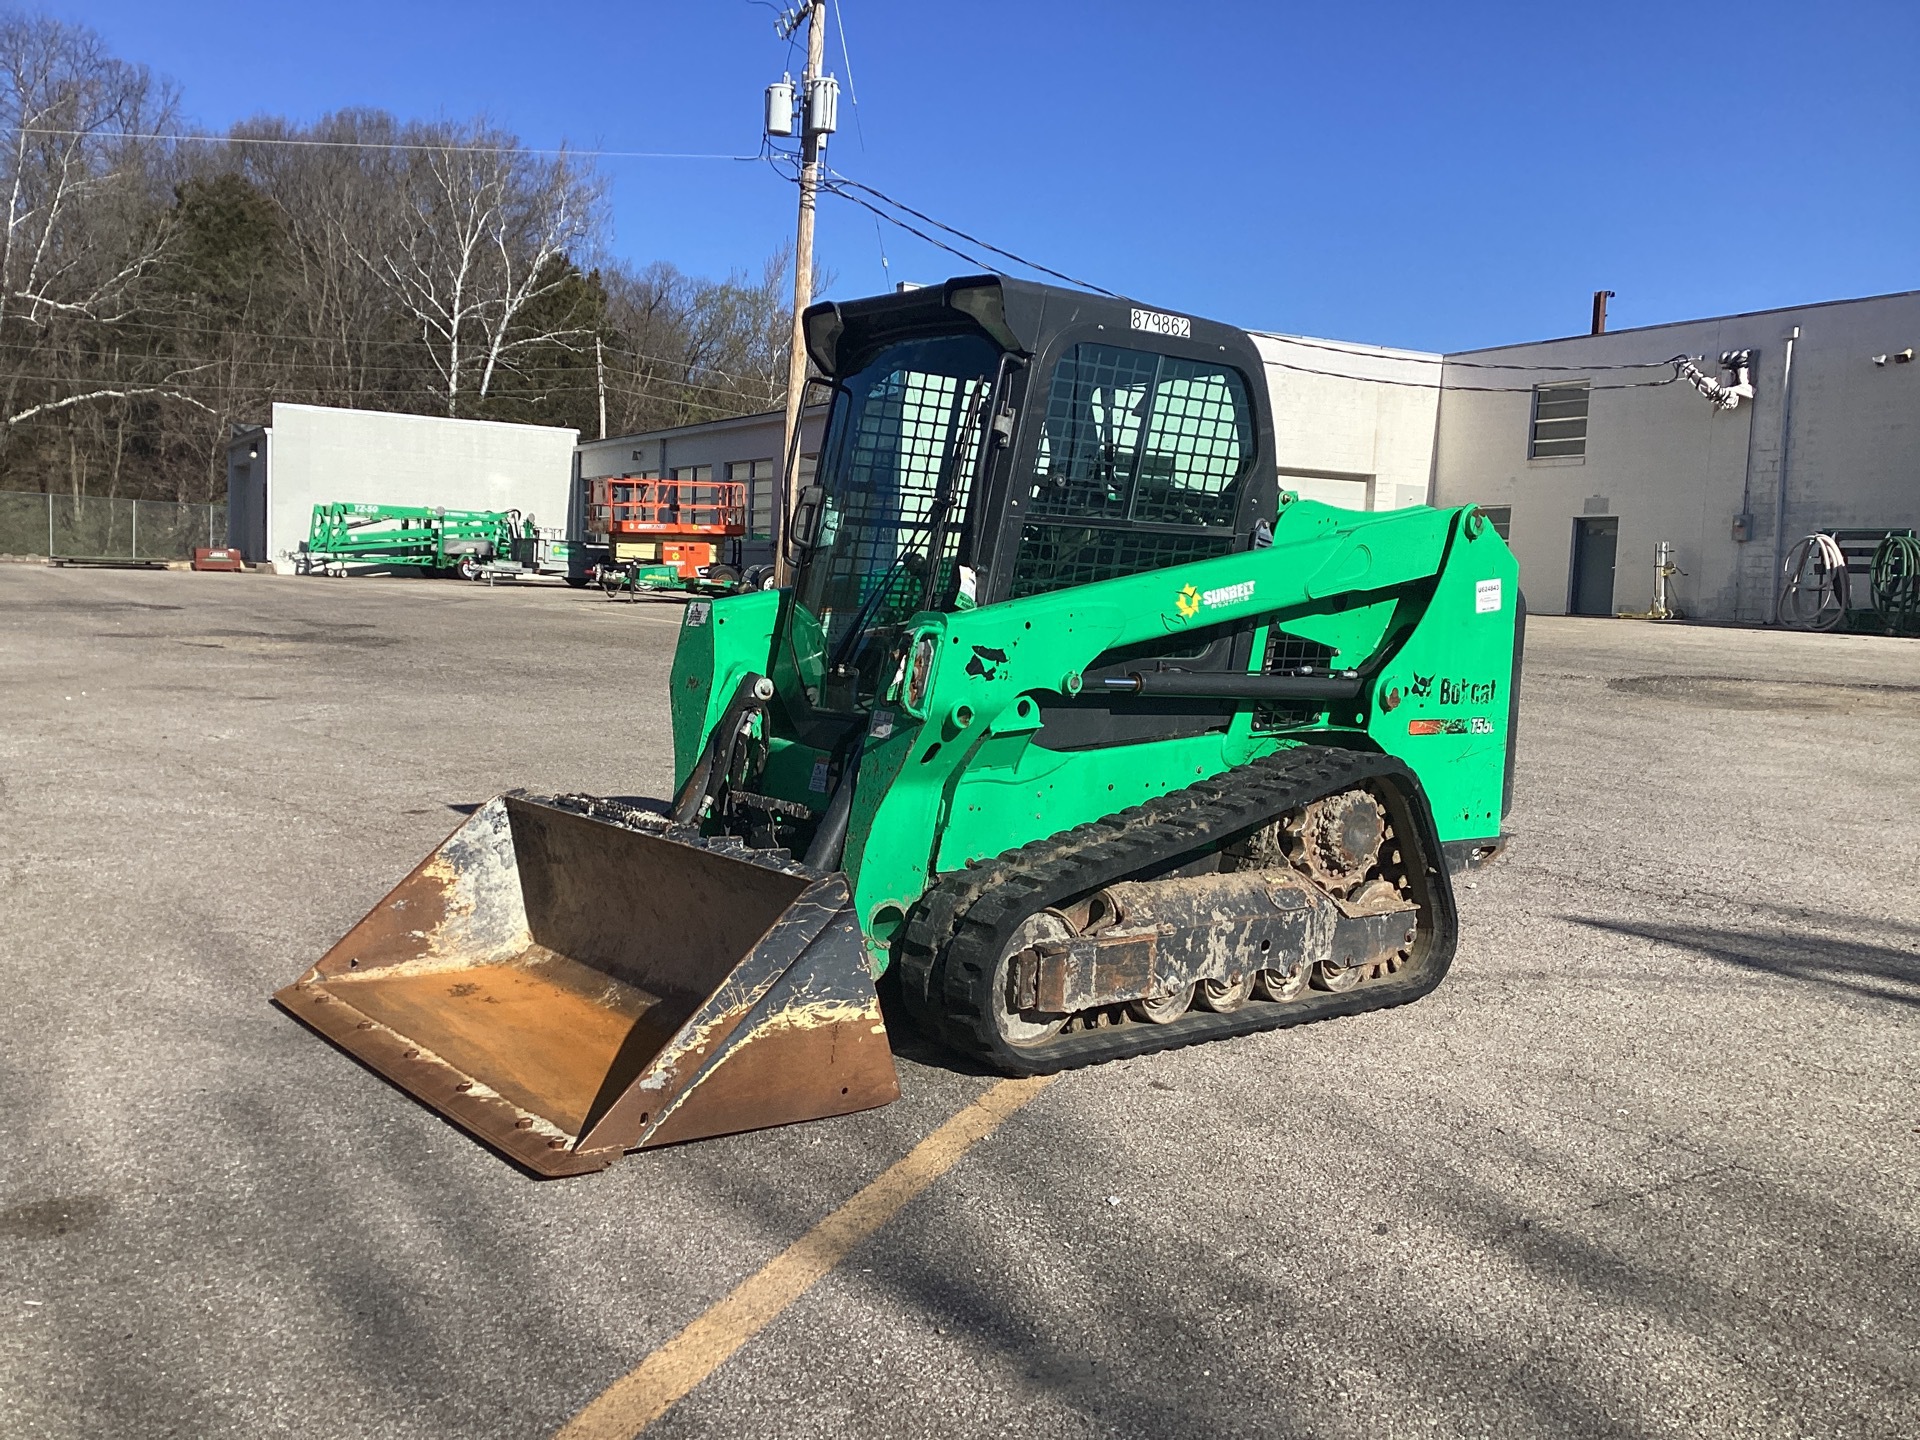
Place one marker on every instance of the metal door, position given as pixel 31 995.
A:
pixel 1595 539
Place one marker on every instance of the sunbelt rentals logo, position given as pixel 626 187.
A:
pixel 1191 599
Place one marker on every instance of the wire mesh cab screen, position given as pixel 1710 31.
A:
pixel 905 428
pixel 1139 466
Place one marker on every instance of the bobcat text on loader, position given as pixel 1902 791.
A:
pixel 1073 728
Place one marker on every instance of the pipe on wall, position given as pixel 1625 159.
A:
pixel 1786 438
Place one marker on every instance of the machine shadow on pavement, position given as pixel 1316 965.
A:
pixel 1847 965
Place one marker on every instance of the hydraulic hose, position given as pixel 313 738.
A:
pixel 830 836
pixel 1813 592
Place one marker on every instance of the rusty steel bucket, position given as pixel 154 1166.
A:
pixel 569 979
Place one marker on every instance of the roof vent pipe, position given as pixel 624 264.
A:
pixel 1600 298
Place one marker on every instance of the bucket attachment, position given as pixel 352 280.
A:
pixel 570 978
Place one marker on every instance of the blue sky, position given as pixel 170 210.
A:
pixel 1432 175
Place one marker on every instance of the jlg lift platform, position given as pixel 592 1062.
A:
pixel 670 534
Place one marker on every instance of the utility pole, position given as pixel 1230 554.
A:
pixel 816 106
pixel 600 369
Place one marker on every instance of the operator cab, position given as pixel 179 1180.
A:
pixel 990 439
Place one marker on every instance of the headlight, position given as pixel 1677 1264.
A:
pixel 920 672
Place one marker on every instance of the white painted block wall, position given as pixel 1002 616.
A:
pixel 318 454
pixel 1353 425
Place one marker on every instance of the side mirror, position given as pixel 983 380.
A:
pixel 805 527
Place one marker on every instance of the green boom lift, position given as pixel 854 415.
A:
pixel 431 537
pixel 1074 735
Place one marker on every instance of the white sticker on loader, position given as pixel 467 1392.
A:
pixel 1179 327
pixel 1486 597
pixel 699 610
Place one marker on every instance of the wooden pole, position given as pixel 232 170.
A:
pixel 812 143
pixel 600 369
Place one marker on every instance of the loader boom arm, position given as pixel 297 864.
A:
pixel 955 765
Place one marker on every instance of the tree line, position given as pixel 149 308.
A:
pixel 155 292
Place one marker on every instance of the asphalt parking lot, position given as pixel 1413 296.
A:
pixel 1644 1165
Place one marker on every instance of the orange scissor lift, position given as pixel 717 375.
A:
pixel 669 534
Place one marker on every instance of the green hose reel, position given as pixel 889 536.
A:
pixel 1895 582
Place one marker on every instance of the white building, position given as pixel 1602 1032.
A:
pixel 1353 425
pixel 1596 453
pixel 316 455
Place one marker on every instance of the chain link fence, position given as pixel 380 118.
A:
pixel 106 526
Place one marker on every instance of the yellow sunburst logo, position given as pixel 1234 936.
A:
pixel 1187 602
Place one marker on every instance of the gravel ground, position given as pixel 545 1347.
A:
pixel 1644 1165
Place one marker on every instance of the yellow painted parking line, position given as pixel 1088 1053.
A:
pixel 643 1395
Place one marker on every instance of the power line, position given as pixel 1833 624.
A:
pixel 155 327
pixel 198 378
pixel 617 347
pixel 1471 364
pixel 975 261
pixel 1474 389
pixel 271 384
pixel 836 181
pixel 853 93
pixel 840 24
pixel 541 373
pixel 273 390
pixel 758 382
pixel 306 143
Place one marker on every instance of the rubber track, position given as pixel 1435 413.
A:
pixel 956 934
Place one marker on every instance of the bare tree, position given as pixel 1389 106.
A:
pixel 334 185
pixel 154 293
pixel 483 233
pixel 689 349
pixel 79 170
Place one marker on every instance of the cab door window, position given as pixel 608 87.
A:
pixel 1140 464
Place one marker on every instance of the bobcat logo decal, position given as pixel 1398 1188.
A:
pixel 1421 687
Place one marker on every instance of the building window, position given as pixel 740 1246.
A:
pixel 693 472
pixel 757 476
pixel 1501 518
pixel 1559 421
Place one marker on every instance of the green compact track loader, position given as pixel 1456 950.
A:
pixel 1074 735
